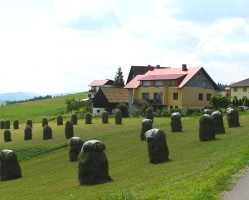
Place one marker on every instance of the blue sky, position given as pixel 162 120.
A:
pixel 54 46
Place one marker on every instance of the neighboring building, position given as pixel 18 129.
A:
pixel 239 90
pixel 107 99
pixel 172 88
pixel 95 85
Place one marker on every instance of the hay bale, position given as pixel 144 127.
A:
pixel 2 124
pixel 44 121
pixel 218 122
pixel 206 128
pixel 7 124
pixel 93 163
pixel 88 118
pixel 9 165
pixel 207 111
pixel 157 146
pixel 149 114
pixel 146 125
pixel 105 117
pixel 69 132
pixel 47 132
pixel 7 135
pixel 75 144
pixel 59 120
pixel 118 117
pixel 74 118
pixel 233 118
pixel 28 133
pixel 29 122
pixel 175 123
pixel 16 124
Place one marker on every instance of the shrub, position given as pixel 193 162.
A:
pixel 59 120
pixel 28 133
pixel 7 135
pixel 118 117
pixel 9 166
pixel 157 146
pixel 206 128
pixel 93 163
pixel 175 123
pixel 7 124
pixel 29 123
pixel 75 144
pixel 105 117
pixel 149 113
pixel 74 118
pixel 2 124
pixel 88 119
pixel 44 121
pixel 16 124
pixel 146 125
pixel 233 118
pixel 123 107
pixel 69 132
pixel 47 132
pixel 218 122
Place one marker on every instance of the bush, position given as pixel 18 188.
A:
pixel 93 163
pixel 88 119
pixel 118 117
pixel 233 118
pixel 29 123
pixel 9 166
pixel 175 123
pixel 105 117
pixel 157 146
pixel 47 132
pixel 69 132
pixel 146 125
pixel 218 122
pixel 74 119
pixel 16 124
pixel 59 120
pixel 2 124
pixel 206 128
pixel 44 122
pixel 7 135
pixel 124 109
pixel 7 124
pixel 75 144
pixel 149 113
pixel 28 133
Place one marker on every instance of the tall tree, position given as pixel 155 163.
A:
pixel 119 79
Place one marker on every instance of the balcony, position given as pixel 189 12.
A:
pixel 151 101
pixel 92 91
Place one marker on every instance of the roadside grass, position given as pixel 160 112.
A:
pixel 196 170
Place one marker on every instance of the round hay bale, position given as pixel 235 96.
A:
pixel 93 163
pixel 157 146
pixel 175 123
pixel 218 122
pixel 105 117
pixel 9 165
pixel 146 125
pixel 7 135
pixel 59 120
pixel 28 133
pixel 233 118
pixel 69 132
pixel 74 119
pixel 118 117
pixel 7 124
pixel 47 132
pixel 16 124
pixel 75 144
pixel 206 128
pixel 88 118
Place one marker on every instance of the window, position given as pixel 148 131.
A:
pixel 208 97
pixel 204 84
pixel 158 83
pixel 175 96
pixel 146 83
pixel 145 96
pixel 200 96
pixel 244 89
pixel 172 82
pixel 235 89
pixel 156 96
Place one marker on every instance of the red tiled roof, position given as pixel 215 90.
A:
pixel 99 82
pixel 134 83
pixel 162 77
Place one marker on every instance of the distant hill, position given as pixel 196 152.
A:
pixel 17 96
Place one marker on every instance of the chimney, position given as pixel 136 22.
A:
pixel 184 67
pixel 158 66
pixel 151 68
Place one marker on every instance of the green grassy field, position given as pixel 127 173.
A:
pixel 196 170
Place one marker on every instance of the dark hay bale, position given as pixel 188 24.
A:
pixel 149 114
pixel 105 117
pixel 157 146
pixel 28 133
pixel 59 120
pixel 29 122
pixel 146 125
pixel 44 121
pixel 7 124
pixel 233 118
pixel 47 132
pixel 75 144
pixel 93 163
pixel 206 128
pixel 69 132
pixel 9 166
pixel 88 118
pixel 175 123
pixel 207 111
pixel 2 124
pixel 16 124
pixel 74 119
pixel 218 122
pixel 118 117
pixel 7 135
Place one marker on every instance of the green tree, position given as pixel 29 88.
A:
pixel 219 101
pixel 119 79
pixel 74 105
